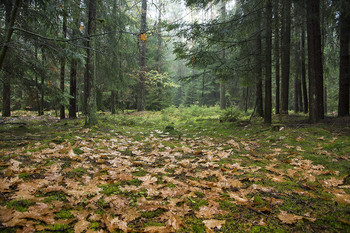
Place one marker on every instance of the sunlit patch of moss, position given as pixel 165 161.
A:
pixel 110 189
pixel 135 182
pixel 20 205
pixel 170 185
pixel 95 225
pixel 152 223
pixel 140 172
pixel 78 151
pixel 65 214
pixel 79 172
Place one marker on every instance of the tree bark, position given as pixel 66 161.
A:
pixel 9 32
pixel 73 89
pixel 285 55
pixel 141 82
pixel 303 71
pixel 344 64
pixel 222 82
pixel 315 61
pixel 277 55
pixel 268 94
pixel 297 68
pixel 90 95
pixel 10 15
pixel 113 96
pixel 63 63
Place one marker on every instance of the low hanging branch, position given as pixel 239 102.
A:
pixel 72 39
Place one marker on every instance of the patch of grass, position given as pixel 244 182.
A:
pixel 55 196
pixel 95 225
pixel 78 151
pixel 194 225
pixel 79 172
pixel 20 205
pixel 152 223
pixel 135 182
pixel 65 214
pixel 110 189
pixel 25 176
pixel 62 228
pixel 153 214
pixel 196 203
pixel 170 185
pixel 140 173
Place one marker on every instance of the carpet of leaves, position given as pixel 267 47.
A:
pixel 159 182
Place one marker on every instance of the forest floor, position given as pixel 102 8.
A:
pixel 174 171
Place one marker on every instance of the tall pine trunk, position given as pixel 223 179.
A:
pixel 90 95
pixel 315 61
pixel 73 89
pixel 303 71
pixel 10 15
pixel 344 64
pixel 277 55
pixel 63 62
pixel 258 67
pixel 285 55
pixel 268 94
pixel 222 82
pixel 141 92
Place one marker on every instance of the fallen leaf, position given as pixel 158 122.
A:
pixel 213 223
pixel 288 218
pixel 342 198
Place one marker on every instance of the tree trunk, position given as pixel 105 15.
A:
pixel 259 93
pixel 9 31
pixel 10 16
pixel 315 61
pixel 159 38
pixel 285 55
pixel 297 66
pixel 91 117
pixel 277 56
pixel 141 82
pixel 42 83
pixel 303 71
pixel 222 82
pixel 63 63
pixel 344 67
pixel 73 89
pixel 113 96
pixel 268 94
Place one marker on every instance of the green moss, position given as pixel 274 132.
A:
pixel 79 172
pixel 152 223
pixel 64 214
pixel 110 189
pixel 20 205
pixel 153 214
pixel 25 176
pixel 55 196
pixel 78 151
pixel 140 172
pixel 135 182
pixel 94 225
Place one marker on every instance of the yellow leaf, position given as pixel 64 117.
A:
pixel 81 28
pixel 143 37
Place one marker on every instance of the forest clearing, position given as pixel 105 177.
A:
pixel 175 116
pixel 179 170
